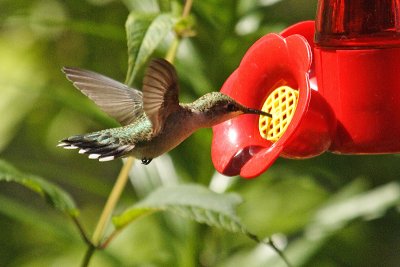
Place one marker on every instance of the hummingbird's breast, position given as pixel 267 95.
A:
pixel 178 126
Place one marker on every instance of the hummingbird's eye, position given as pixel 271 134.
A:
pixel 231 107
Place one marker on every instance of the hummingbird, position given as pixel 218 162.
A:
pixel 153 121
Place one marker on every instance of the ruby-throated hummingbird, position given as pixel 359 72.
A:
pixel 153 121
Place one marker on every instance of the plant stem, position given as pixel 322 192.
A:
pixel 108 209
pixel 110 238
pixel 82 231
pixel 119 186
pixel 270 243
pixel 171 54
pixel 278 251
pixel 88 255
pixel 186 8
pixel 112 201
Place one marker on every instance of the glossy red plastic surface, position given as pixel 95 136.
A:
pixel 270 62
pixel 363 88
pixel 358 23
pixel 349 99
pixel 357 59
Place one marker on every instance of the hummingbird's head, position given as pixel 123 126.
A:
pixel 217 107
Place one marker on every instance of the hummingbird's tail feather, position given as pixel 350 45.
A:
pixel 100 145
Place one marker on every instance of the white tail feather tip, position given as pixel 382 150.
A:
pixel 106 158
pixel 70 147
pixel 94 156
pixel 62 144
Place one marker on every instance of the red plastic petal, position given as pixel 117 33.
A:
pixel 271 62
pixel 296 76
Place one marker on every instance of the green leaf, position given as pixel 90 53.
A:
pixel 164 5
pixel 54 195
pixel 349 204
pixel 189 201
pixel 144 33
pixel 148 6
pixel 136 28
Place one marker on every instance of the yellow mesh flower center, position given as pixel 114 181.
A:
pixel 281 103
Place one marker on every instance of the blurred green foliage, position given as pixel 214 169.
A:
pixel 328 211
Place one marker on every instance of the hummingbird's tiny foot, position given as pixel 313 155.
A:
pixel 146 161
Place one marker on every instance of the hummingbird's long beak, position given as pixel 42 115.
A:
pixel 256 111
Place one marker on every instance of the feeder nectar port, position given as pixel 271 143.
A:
pixel 281 103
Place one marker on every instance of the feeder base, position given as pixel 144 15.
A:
pixel 363 88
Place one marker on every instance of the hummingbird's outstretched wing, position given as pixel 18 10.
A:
pixel 160 92
pixel 116 99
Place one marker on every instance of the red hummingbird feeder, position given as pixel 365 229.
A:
pixel 332 85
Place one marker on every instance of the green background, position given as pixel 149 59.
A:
pixel 329 211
